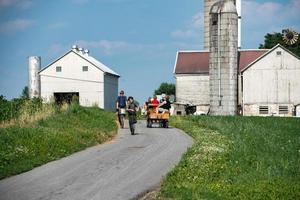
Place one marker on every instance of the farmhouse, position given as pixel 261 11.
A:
pixel 76 73
pixel 268 81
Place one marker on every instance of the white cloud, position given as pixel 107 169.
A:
pixel 198 21
pixel 258 19
pixel 184 33
pixel 16 25
pixel 24 4
pixel 186 46
pixel 56 49
pixel 57 25
pixel 270 13
pixel 192 29
pixel 112 47
pixel 260 13
pixel 105 46
pixel 293 9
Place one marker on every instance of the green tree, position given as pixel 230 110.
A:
pixel 25 93
pixel 272 39
pixel 165 88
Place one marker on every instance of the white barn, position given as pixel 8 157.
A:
pixel 76 73
pixel 268 82
pixel 192 81
pixel 271 84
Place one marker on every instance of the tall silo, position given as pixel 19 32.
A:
pixel 34 84
pixel 223 58
pixel 207 6
pixel 238 4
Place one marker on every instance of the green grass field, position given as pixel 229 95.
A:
pixel 237 158
pixel 25 146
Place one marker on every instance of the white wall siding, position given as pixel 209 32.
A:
pixel 89 84
pixel 90 93
pixel 192 89
pixel 110 91
pixel 72 68
pixel 275 79
pixel 273 110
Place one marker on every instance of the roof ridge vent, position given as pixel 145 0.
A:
pixel 75 47
pixel 86 51
pixel 81 50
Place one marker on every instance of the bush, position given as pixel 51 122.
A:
pixel 16 107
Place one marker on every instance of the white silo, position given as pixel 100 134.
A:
pixel 207 6
pixel 238 4
pixel 223 58
pixel 34 84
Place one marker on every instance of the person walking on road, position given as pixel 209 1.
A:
pixel 132 108
pixel 121 105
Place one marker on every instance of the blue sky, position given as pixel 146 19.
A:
pixel 136 38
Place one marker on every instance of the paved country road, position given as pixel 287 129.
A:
pixel 122 169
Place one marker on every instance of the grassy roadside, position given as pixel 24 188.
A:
pixel 25 146
pixel 237 158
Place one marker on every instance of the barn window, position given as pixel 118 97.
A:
pixel 58 68
pixel 278 53
pixel 263 110
pixel 283 109
pixel 85 68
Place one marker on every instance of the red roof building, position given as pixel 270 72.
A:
pixel 197 62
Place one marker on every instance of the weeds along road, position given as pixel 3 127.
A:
pixel 121 169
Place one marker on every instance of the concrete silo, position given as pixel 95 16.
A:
pixel 223 58
pixel 207 6
pixel 34 84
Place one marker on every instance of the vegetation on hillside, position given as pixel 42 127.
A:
pixel 49 132
pixel 15 108
pixel 237 158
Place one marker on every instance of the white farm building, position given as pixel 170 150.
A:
pixel 268 82
pixel 225 79
pixel 76 73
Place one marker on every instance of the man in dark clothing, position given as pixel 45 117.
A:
pixel 165 105
pixel 121 105
pixel 132 109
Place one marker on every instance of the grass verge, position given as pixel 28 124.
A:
pixel 25 146
pixel 237 158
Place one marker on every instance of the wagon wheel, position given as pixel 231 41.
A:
pixel 166 124
pixel 150 124
pixel 161 124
